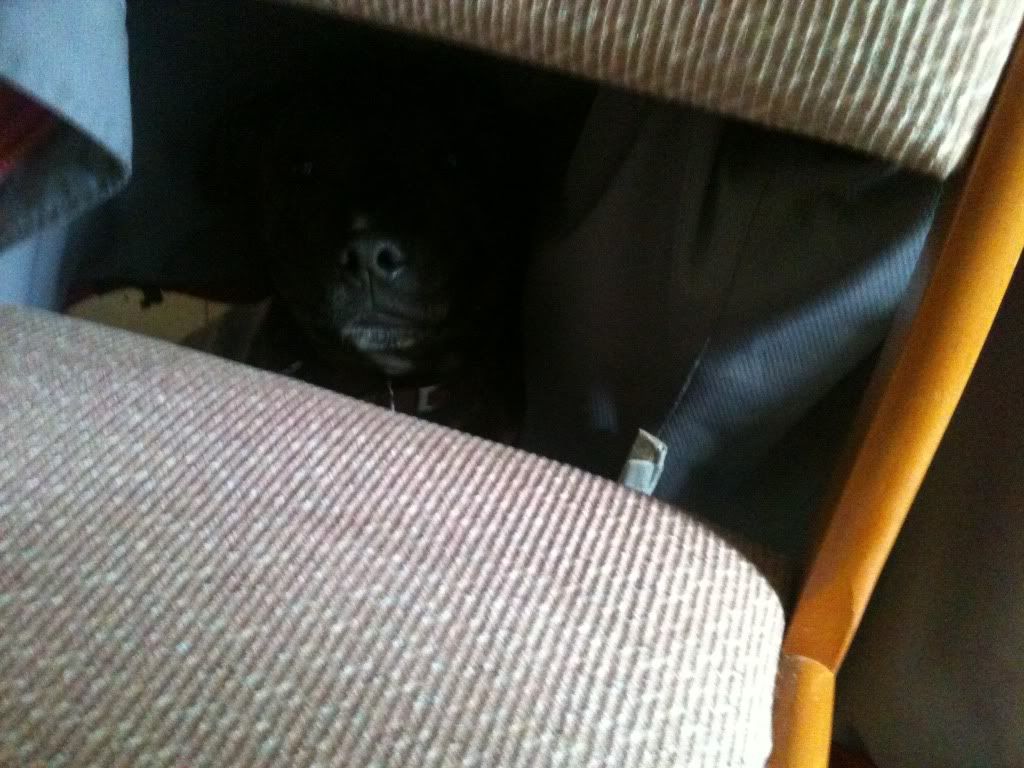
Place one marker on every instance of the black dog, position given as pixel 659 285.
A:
pixel 391 228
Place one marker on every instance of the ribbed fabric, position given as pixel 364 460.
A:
pixel 907 80
pixel 206 565
pixel 724 279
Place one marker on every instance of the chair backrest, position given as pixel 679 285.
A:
pixel 907 81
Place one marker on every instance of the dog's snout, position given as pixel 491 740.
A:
pixel 382 258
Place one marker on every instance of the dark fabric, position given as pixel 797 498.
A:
pixel 715 282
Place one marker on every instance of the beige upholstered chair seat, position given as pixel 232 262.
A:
pixel 206 565
pixel 907 80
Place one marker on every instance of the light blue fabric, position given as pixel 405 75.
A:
pixel 30 269
pixel 71 56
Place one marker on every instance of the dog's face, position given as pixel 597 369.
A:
pixel 376 234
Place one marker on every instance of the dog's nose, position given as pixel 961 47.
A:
pixel 388 260
pixel 381 257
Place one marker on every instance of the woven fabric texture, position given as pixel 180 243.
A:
pixel 206 565
pixel 906 80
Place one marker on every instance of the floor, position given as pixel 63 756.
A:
pixel 163 315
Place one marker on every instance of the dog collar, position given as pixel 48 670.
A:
pixel 418 401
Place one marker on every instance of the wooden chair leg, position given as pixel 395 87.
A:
pixel 802 727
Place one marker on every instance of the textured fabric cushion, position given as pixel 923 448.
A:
pixel 907 80
pixel 202 564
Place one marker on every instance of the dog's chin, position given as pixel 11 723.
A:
pixel 388 338
pixel 398 351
